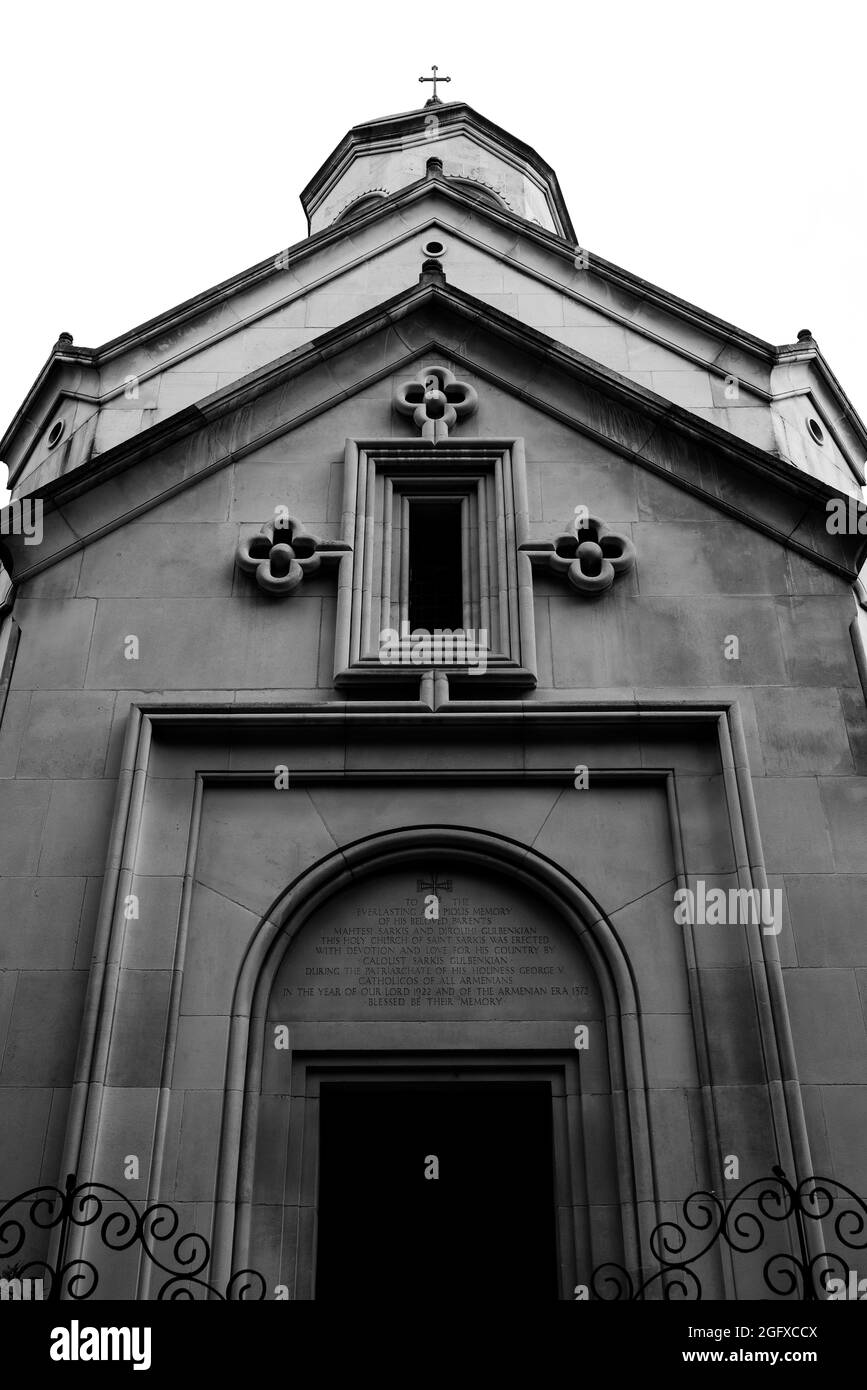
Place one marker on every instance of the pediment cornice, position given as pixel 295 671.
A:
pixel 651 432
pixel 74 371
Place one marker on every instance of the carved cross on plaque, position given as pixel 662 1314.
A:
pixel 434 885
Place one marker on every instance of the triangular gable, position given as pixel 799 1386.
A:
pixel 692 354
pixel 730 475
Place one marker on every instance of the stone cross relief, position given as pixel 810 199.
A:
pixel 436 400
pixel 590 558
pixel 283 554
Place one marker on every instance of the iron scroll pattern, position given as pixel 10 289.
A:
pixel 795 1274
pixel 120 1227
pixel 184 1258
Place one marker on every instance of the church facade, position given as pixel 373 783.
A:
pixel 433 752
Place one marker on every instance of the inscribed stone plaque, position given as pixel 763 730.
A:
pixel 457 945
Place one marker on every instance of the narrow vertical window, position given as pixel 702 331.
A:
pixel 435 566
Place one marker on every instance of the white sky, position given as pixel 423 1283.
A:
pixel 150 151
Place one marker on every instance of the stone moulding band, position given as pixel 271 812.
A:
pixel 147 727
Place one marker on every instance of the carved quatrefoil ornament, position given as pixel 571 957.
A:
pixel 280 556
pixel 591 557
pixel 436 400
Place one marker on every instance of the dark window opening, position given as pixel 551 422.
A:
pixel 435 585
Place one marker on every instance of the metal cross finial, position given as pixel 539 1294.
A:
pixel 434 80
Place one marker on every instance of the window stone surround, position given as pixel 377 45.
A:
pixel 488 478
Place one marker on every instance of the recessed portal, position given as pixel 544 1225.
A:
pixel 483 1228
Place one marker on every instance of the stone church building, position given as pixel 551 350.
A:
pixel 433 753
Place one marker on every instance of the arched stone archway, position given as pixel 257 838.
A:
pixel 348 977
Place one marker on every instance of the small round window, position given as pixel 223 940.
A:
pixel 55 434
pixel 434 248
pixel 816 431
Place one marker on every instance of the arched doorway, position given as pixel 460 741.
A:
pixel 437 1093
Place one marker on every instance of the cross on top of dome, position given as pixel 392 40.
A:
pixel 434 99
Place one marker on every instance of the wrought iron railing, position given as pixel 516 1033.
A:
pixel 742 1224
pixel 182 1258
